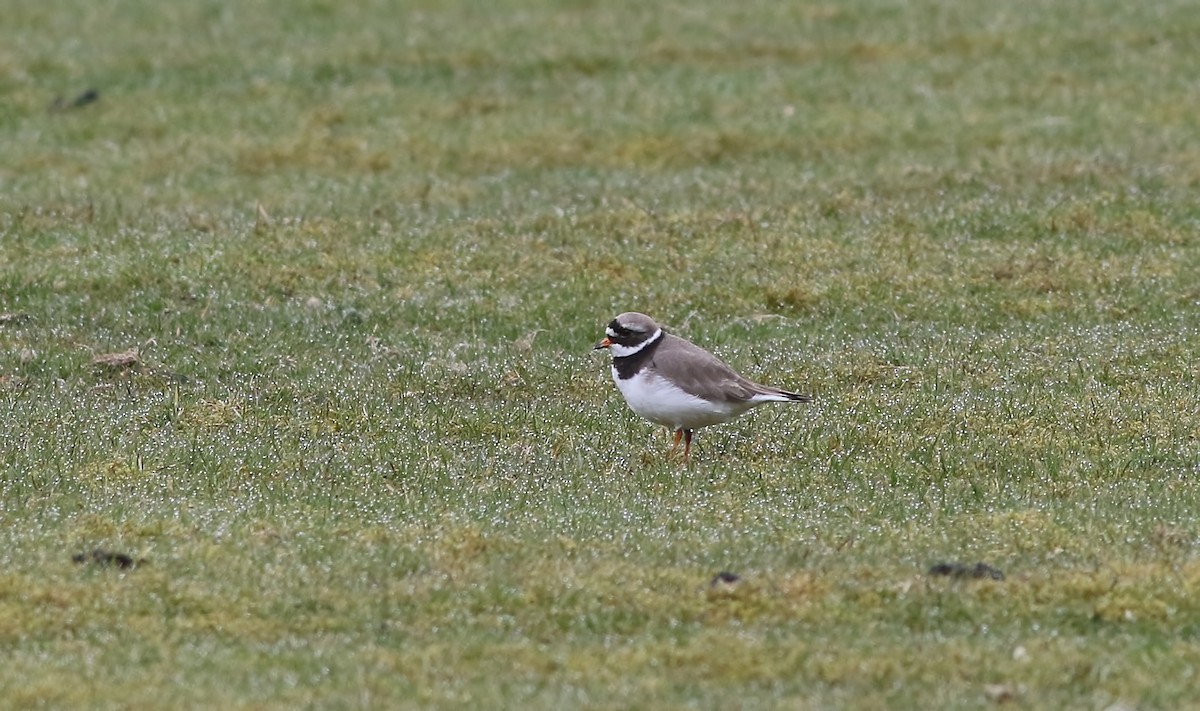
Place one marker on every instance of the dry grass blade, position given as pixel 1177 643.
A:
pixel 14 318
pixel 121 361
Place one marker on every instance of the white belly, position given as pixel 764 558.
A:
pixel 657 400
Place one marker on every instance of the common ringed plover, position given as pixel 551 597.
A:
pixel 676 383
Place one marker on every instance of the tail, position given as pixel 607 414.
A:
pixel 766 394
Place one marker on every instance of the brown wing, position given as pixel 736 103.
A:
pixel 701 373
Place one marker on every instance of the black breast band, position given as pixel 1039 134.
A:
pixel 629 365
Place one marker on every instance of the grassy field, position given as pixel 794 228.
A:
pixel 355 255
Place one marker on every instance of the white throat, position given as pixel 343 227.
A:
pixel 620 351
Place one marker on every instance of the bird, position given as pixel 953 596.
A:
pixel 675 383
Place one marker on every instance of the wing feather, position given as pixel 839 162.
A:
pixel 704 375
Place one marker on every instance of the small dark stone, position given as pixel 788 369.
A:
pixel 724 578
pixel 105 558
pixel 960 571
pixel 983 570
pixel 89 96
pixel 85 98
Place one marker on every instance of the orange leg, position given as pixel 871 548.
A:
pixel 687 444
pixel 678 436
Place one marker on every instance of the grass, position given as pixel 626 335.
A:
pixel 362 253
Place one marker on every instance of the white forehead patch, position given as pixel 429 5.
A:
pixel 611 333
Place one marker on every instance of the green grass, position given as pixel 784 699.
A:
pixel 363 251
